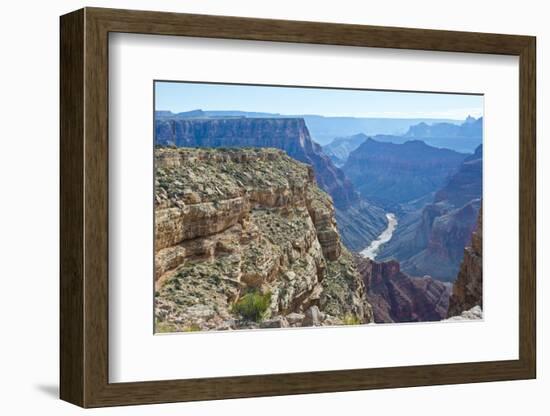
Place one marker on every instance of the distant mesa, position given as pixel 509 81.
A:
pixel 471 128
pixel 322 129
pixel 462 137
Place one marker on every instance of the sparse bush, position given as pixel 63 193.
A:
pixel 192 328
pixel 351 320
pixel 164 327
pixel 253 306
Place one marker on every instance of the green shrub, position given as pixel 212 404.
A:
pixel 192 328
pixel 351 320
pixel 253 306
pixel 164 327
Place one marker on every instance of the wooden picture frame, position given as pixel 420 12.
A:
pixel 84 207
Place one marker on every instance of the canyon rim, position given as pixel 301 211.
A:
pixel 269 214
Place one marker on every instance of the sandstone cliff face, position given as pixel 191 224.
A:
pixel 230 222
pixel 396 297
pixel 468 287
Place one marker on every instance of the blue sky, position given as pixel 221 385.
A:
pixel 180 96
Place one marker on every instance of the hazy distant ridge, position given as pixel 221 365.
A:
pixel 322 129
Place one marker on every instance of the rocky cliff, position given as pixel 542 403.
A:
pixel 447 231
pixel 466 184
pixel 468 287
pixel 288 134
pixel 241 230
pixel 359 221
pixel 396 297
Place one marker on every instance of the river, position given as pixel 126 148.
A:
pixel 386 235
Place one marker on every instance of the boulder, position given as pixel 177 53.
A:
pixel 312 317
pixel 276 322
pixel 295 319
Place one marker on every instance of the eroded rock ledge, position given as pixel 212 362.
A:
pixel 230 222
pixel 397 297
pixel 468 287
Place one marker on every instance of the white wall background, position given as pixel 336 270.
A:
pixel 29 209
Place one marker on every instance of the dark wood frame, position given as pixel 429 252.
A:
pixel 84 207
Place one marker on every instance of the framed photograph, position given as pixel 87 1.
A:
pixel 257 207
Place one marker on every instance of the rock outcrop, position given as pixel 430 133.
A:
pixel 468 287
pixel 359 221
pixel 448 234
pixel 396 297
pixel 469 315
pixel 288 134
pixel 244 233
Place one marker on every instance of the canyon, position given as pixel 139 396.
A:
pixel 431 238
pixel 256 227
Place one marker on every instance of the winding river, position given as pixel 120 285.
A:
pixel 386 235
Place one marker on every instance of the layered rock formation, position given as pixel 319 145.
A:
pixel 447 231
pixel 359 221
pixel 396 297
pixel 388 174
pixel 466 184
pixel 288 134
pixel 468 287
pixel 323 129
pixel 235 225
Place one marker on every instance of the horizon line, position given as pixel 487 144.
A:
pixel 425 117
